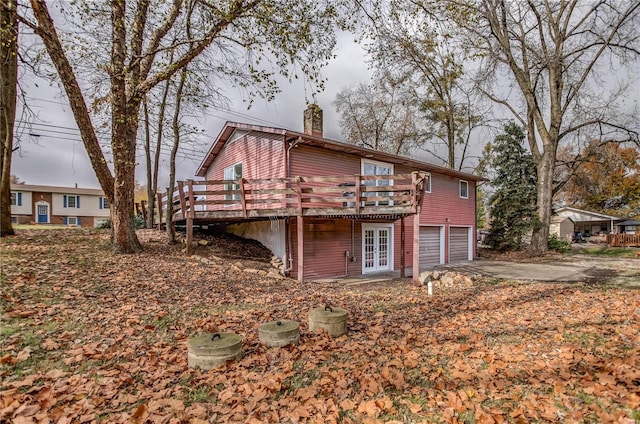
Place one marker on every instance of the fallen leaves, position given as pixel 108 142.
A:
pixel 90 335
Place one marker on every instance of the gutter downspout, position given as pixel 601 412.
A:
pixel 288 252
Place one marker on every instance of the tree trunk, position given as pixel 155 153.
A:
pixel 122 214
pixel 124 126
pixel 8 87
pixel 171 232
pixel 151 194
pixel 540 235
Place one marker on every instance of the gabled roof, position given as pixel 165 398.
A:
pixel 583 215
pixel 328 144
pixel 628 222
pixel 54 189
pixel 558 219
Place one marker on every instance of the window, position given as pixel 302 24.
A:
pixel 104 203
pixel 16 198
pixel 377 168
pixel 233 172
pixel 427 184
pixel 72 202
pixel 72 220
pixel 464 189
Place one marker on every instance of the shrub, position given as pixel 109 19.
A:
pixel 557 244
pixel 138 223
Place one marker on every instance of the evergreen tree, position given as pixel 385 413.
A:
pixel 513 204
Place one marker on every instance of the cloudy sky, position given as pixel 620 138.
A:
pixel 51 151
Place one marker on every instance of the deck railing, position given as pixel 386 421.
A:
pixel 624 240
pixel 296 196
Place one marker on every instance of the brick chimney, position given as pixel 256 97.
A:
pixel 313 120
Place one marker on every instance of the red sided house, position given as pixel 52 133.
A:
pixel 330 209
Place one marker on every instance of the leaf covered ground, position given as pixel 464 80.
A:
pixel 91 336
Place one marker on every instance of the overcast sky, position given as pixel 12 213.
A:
pixel 51 151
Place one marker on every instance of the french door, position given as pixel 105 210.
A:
pixel 377 247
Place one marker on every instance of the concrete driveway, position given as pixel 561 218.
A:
pixel 525 271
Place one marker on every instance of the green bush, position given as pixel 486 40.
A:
pixel 557 244
pixel 138 223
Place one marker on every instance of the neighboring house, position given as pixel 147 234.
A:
pixel 630 226
pixel 73 206
pixel 339 243
pixel 588 223
pixel 563 227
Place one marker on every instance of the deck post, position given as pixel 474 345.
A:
pixel 189 240
pixel 192 200
pixel 159 208
pixel 243 199
pixel 183 202
pixel 403 272
pixel 416 248
pixel 358 193
pixel 300 231
pixel 298 190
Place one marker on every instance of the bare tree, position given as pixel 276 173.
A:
pixel 8 97
pixel 380 116
pixel 254 41
pixel 416 45
pixel 548 63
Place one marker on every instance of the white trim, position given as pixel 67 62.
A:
pixel 597 215
pixel 391 262
pixel 460 189
pixel 224 177
pixel 37 215
pixel 427 188
pixel 375 162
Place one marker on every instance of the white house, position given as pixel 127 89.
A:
pixel 73 206
pixel 589 223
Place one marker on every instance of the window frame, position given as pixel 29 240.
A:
pixel 104 203
pixel 232 186
pixel 376 163
pixel 460 185
pixel 66 201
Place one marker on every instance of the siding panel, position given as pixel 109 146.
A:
pixel 442 207
pixel 307 160
pixel 262 156
pixel 325 244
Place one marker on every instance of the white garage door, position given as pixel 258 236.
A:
pixel 458 244
pixel 429 247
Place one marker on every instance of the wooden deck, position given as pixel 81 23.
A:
pixel 623 240
pixel 362 197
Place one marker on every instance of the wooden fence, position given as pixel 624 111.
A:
pixel 623 240
pixel 398 194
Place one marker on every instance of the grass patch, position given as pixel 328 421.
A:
pixel 201 394
pixel 614 252
pixel 43 227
